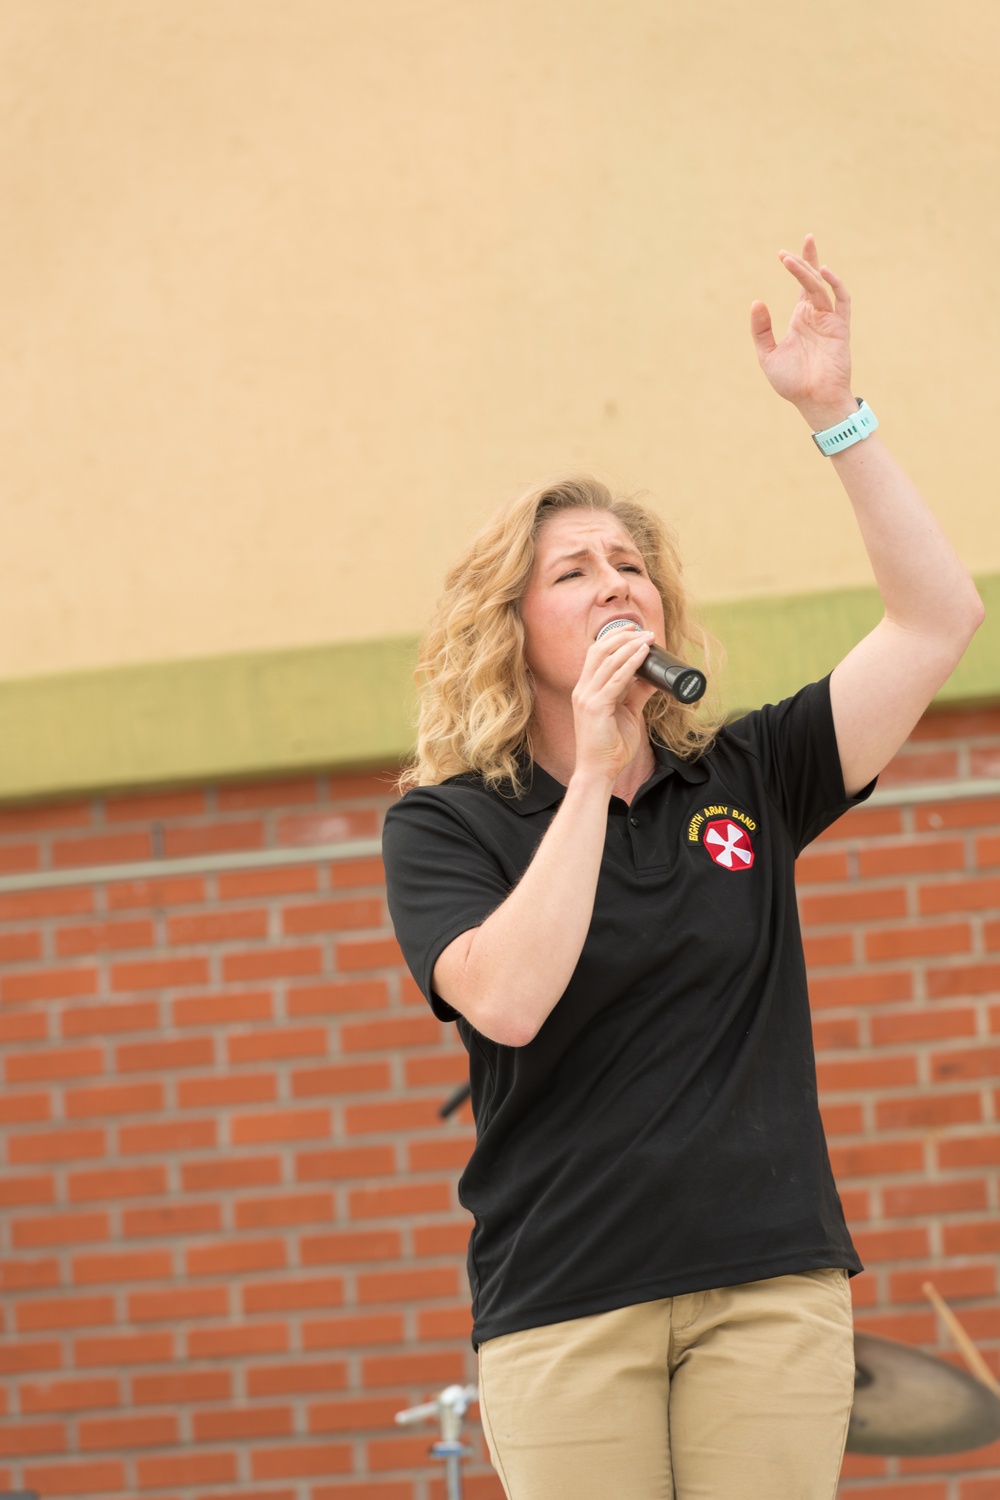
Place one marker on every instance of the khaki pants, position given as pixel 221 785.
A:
pixel 742 1393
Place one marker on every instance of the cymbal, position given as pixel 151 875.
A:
pixel 908 1402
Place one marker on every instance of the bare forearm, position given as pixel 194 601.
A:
pixel 507 975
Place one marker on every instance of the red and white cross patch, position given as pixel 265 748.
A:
pixel 728 844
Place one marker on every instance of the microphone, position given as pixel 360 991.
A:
pixel 663 670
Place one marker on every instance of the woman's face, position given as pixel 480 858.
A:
pixel 587 571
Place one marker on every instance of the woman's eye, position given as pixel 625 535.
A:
pixel 574 573
pixel 631 568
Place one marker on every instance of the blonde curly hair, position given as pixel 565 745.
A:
pixel 475 688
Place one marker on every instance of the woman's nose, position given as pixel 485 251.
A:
pixel 614 585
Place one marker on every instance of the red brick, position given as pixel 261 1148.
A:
pixel 444 1324
pixel 975 1062
pixel 271 963
pixel 390 1116
pixel 991 936
pixel 15 859
pixel 395 1453
pixel 112 1350
pixel 171 890
pixel 223 1010
pixel 101 937
pixel 911 766
pixel 861 989
pixel 400 1489
pixel 399 1031
pixel 182 1052
pixel 53 1063
pixel 277 1043
pixel 20 1192
pixel 380 1244
pixel 912 857
pixel 283 1125
pixel 218 1175
pixel 953 1282
pixel 877 1160
pixel 842 1119
pixel 19 906
pixel 172 1135
pixel 292 880
pixel 959 896
pixel 181 1389
pixel 69 1395
pixel 212 838
pixel 18 1359
pixel 407 1286
pixel 64 1312
pixel 154 807
pixel 48 984
pixel 293 1296
pixel 337 1163
pixel 20 947
pixel 100 1020
pixel 25 1109
pixel 922 1025
pixel 963 979
pixel 178 1304
pixel 101 849
pixel 879 1072
pixel 438 1368
pixel 863 823
pixel 921 1200
pixel 332 916
pixel 352 1332
pixel 23 1026
pixel 267 794
pixel 39 817
pixel 56 1145
pixel 404 1198
pixel 892 1244
pixel 352 874
pixel 168 1220
pixel 114 1099
pixel 821 866
pixel 118 1183
pixel 287 1209
pixel 217 1093
pixel 918 942
pixel 353 1416
pixel 217 927
pixel 186 1469
pixel 128 1432
pixel 334 826
pixel 298 1379
pixel 970 1151
pixel 970 812
pixel 236 1257
pixel 342 1078
pixel 237 1425
pixel 972 1239
pixel 988 851
pixel 98 1478
pixel 122 1267
pixel 301 1461
pixel 339 998
pixel 367 784
pixel 58 1229
pixel 236 1341
pixel 380 953
pixel 928 1110
pixel 835 1032
pixel 159 974
pixel 442 1154
pixel 828 950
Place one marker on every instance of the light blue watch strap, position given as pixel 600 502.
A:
pixel 851 430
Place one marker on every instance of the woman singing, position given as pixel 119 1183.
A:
pixel 598 887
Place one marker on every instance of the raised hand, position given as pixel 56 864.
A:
pixel 811 366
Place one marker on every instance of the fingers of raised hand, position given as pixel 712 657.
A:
pixel 616 659
pixel 841 295
pixel 761 330
pixel 809 278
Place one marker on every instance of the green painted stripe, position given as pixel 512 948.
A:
pixel 266 713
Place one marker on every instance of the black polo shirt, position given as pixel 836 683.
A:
pixel 661 1133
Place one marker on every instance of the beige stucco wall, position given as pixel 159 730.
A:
pixel 294 290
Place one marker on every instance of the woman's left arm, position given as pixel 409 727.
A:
pixel 932 609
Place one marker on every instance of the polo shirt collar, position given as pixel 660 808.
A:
pixel 545 791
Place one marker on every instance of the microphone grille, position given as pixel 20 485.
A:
pixel 616 625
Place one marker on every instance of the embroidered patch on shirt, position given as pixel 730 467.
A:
pixel 724 832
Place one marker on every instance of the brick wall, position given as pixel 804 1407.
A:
pixel 230 1246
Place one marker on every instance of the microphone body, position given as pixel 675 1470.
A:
pixel 664 671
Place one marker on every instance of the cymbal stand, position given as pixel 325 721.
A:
pixel 448 1407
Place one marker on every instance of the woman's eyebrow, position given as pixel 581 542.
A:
pixel 616 551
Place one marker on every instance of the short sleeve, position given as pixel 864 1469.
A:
pixel 795 744
pixel 440 881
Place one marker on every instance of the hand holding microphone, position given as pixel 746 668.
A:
pixel 664 671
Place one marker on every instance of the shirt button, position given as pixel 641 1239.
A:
pixel 634 822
